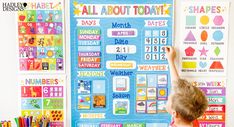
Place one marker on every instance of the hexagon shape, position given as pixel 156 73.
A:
pixel 189 51
pixel 218 20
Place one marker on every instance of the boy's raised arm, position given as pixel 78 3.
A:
pixel 171 55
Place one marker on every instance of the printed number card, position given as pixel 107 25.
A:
pixel 203 38
pixel 119 71
pixel 44 95
pixel 41 37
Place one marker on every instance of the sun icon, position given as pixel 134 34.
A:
pixel 162 92
pixel 87 98
pixel 50 53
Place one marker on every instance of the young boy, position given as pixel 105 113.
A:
pixel 186 102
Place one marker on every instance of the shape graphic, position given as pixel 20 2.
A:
pixel 190 37
pixel 216 65
pixel 190 20
pixel 189 51
pixel 202 64
pixel 203 51
pixel 189 65
pixel 218 35
pixel 204 35
pixel 204 20
pixel 218 20
pixel 217 51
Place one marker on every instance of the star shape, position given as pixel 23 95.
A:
pixel 203 51
pixel 75 3
pixel 77 11
pixel 167 12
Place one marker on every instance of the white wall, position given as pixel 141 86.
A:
pixel 9 103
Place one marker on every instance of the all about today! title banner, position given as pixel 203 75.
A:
pixel 122 10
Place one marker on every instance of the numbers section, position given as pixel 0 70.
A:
pixel 154 45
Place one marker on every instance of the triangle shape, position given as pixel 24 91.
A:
pixel 190 37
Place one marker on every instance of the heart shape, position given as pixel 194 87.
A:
pixel 203 64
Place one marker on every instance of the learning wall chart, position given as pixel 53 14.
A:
pixel 119 72
pixel 203 38
pixel 215 90
pixel 44 95
pixel 203 54
pixel 40 37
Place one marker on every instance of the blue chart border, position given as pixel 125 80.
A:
pixel 161 119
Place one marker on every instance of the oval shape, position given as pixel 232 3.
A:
pixel 204 35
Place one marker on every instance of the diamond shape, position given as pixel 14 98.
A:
pixel 217 51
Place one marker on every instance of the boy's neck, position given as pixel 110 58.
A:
pixel 183 123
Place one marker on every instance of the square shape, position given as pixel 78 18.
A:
pixel 163 33
pixel 163 41
pixel 155 41
pixel 161 106
pixel 141 80
pixel 155 56
pixel 148 56
pixel 162 94
pixel 84 87
pixel 141 94
pixel 155 33
pixel 190 20
pixel 121 83
pixel 99 87
pixel 152 80
pixel 155 48
pixel 151 107
pixel 151 93
pixel 147 48
pixel 84 102
pixel 121 107
pixel 162 80
pixel 147 33
pixel 99 101
pixel 141 107
pixel 148 41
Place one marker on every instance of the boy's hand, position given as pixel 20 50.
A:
pixel 170 53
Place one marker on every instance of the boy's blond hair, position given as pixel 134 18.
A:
pixel 189 101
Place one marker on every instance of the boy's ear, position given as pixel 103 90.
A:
pixel 175 114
